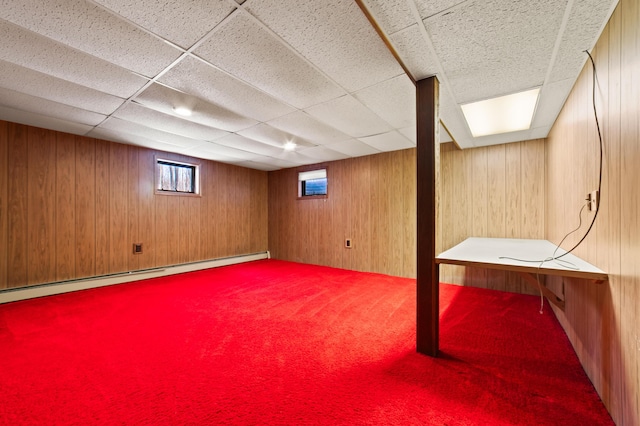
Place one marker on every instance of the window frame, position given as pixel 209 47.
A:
pixel 196 177
pixel 312 197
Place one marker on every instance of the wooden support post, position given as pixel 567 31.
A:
pixel 428 173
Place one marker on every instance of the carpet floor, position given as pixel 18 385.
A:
pixel 281 343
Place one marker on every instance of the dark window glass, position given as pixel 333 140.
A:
pixel 314 187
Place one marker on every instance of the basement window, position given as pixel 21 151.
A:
pixel 312 184
pixel 173 177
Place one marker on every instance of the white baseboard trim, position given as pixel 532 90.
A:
pixel 49 289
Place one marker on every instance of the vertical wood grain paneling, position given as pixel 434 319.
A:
pixel 482 196
pixel 602 321
pixel 361 216
pixel 408 214
pixel 85 209
pixel 72 207
pixel 496 211
pixel 367 202
pixel 133 207
pixel 161 206
pixel 396 214
pixel 65 207
pixel 41 205
pixel 609 235
pixel 258 217
pixel 17 193
pixel 119 242
pixel 4 170
pixel 146 209
pixel 103 195
pixel 629 207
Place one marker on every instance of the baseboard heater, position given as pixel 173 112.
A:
pixel 49 289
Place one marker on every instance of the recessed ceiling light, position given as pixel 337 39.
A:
pixel 504 114
pixel 289 146
pixel 182 110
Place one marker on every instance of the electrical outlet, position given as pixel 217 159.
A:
pixel 347 243
pixel 594 200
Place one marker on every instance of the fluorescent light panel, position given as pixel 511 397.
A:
pixel 505 114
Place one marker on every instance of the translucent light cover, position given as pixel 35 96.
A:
pixel 508 113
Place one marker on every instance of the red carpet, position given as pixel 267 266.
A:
pixel 275 342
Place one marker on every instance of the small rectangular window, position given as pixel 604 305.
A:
pixel 176 178
pixel 312 183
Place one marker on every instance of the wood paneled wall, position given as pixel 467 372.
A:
pixel 603 321
pixel 372 200
pixel 72 207
pixel 496 192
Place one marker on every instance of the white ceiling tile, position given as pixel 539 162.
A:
pixel 444 135
pixel 296 158
pixel 391 15
pixel 37 84
pixel 44 121
pixel 205 155
pixel 582 31
pixel 206 82
pixel 171 124
pixel 391 141
pixel 181 22
pixel 242 47
pixel 522 135
pixel 165 99
pixel 323 153
pixel 39 53
pixel 89 28
pixel 116 135
pixel 509 52
pixel 246 144
pixel 276 162
pixel 226 151
pixel 392 100
pixel 552 98
pixel 303 125
pixel 353 148
pixel 427 8
pixel 333 34
pixel 136 129
pixel 23 102
pixel 451 116
pixel 269 135
pixel 264 166
pixel 415 53
pixel 349 116
pixel 410 133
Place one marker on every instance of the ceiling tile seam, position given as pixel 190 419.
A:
pixel 446 11
pixel 442 78
pixel 185 53
pixel 386 40
pixel 145 87
pixel 66 46
pixel 277 37
pixel 556 46
pixel 307 61
pixel 136 25
pixel 236 78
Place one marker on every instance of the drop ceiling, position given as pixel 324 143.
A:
pixel 259 73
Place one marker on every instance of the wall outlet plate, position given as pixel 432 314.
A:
pixel 347 243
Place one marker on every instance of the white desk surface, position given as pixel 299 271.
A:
pixel 490 253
